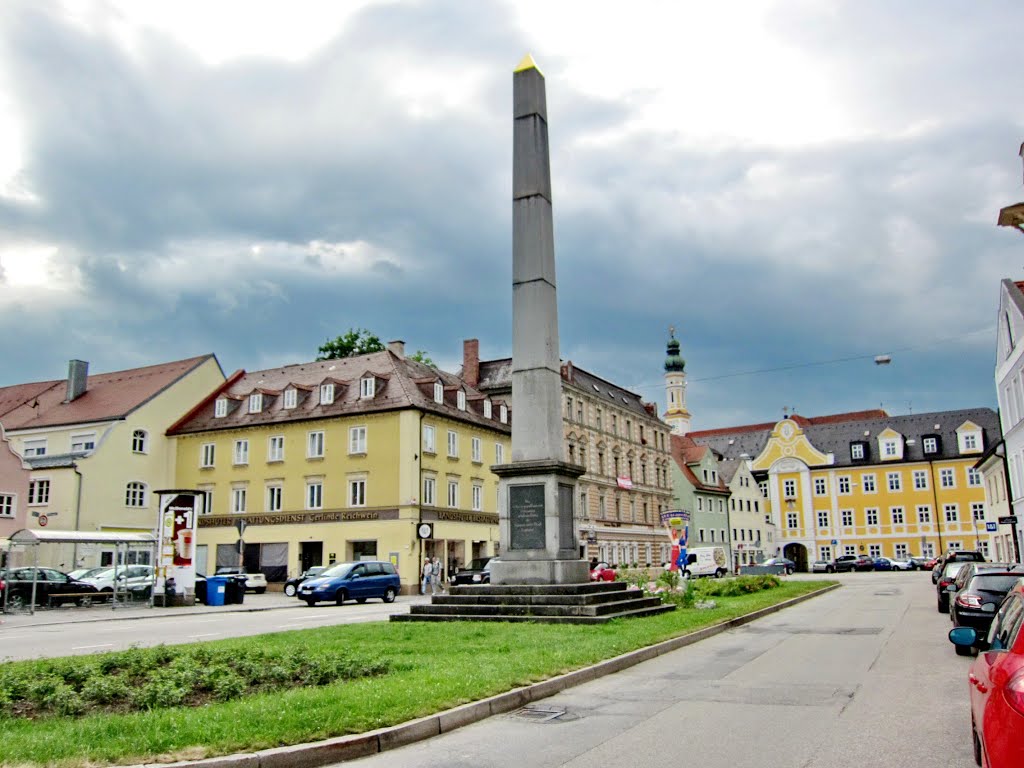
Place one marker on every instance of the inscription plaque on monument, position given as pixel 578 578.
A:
pixel 526 517
pixel 566 523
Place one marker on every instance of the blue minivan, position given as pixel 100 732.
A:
pixel 352 581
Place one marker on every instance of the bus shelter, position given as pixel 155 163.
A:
pixel 27 542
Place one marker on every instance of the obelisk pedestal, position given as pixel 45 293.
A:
pixel 537 491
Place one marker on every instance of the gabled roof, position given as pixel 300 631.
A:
pixel 400 385
pixel 685 452
pixel 107 396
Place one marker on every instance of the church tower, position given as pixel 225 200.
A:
pixel 676 415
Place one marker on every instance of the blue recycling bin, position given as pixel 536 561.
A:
pixel 216 589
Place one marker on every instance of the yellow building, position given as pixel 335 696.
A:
pixel 369 457
pixel 868 483
pixel 96 449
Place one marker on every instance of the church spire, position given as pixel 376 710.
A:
pixel 676 415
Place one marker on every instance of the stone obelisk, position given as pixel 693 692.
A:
pixel 537 491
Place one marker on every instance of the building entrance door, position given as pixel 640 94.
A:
pixel 311 553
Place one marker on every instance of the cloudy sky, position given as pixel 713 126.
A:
pixel 795 186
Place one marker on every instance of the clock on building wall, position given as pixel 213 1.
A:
pixel 426 530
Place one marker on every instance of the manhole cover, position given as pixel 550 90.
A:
pixel 543 714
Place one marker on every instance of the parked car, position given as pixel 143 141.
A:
pixel 930 562
pixel 291 586
pixel 602 572
pixel 891 564
pixel 81 573
pixel 477 572
pixel 852 563
pixel 920 563
pixel 52 588
pixel 997 684
pixel 946 577
pixel 788 566
pixel 254 581
pixel 353 581
pixel 956 555
pixel 135 580
pixel 975 601
pixel 820 566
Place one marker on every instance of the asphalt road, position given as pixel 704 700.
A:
pixel 861 677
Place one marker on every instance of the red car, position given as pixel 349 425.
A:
pixel 602 572
pixel 997 685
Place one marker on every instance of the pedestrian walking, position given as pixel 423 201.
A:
pixel 435 576
pixel 428 569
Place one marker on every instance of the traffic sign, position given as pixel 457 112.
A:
pixel 240 525
pixel 43 520
pixel 1008 520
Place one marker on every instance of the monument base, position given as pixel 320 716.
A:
pixel 540 572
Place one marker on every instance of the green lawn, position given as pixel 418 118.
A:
pixel 432 667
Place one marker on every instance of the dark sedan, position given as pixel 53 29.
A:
pixel 292 585
pixel 52 587
pixel 852 563
pixel 477 572
pixel 946 577
pixel 953 556
pixel 975 602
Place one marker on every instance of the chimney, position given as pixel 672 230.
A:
pixel 397 347
pixel 471 362
pixel 78 374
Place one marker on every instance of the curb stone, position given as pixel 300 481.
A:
pixel 344 748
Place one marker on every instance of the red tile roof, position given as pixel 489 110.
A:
pixel 835 418
pixel 685 452
pixel 107 396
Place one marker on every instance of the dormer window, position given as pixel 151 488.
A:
pixel 968 438
pixel 255 402
pixel 327 394
pixel 438 392
pixel 367 386
pixel 487 409
pixel 220 408
pixel 930 445
pixel 889 448
pixel 291 397
pixel 461 400
pixel 503 414
pixel 857 451
pixel 890 445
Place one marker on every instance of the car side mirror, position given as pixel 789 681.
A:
pixel 951 587
pixel 963 637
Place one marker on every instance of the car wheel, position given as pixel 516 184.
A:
pixel 829 569
pixel 389 595
pixel 260 590
pixel 15 602
pixel 340 596
pixel 290 589
pixel 310 602
pixel 942 607
pixel 85 602
pixel 686 575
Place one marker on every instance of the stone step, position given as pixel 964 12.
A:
pixel 587 588
pixel 600 609
pixel 490 599
pixel 631 614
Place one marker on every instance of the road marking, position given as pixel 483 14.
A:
pixel 86 647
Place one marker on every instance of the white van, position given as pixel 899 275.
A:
pixel 706 561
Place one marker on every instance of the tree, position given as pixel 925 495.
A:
pixel 422 357
pixel 358 341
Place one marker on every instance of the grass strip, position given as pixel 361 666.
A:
pixel 432 667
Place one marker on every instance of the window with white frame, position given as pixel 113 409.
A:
pixel 275 448
pixel 220 407
pixel 429 439
pixel 844 485
pixel 901 551
pixel 763 487
pixel 315 445
pixel 314 494
pixel 367 387
pixel 927 549
pixel 820 486
pixel 139 441
pixel 895 481
pixel 955 546
pixel 847 517
pixel 460 400
pixel 856 453
pixel 135 494
pixel 83 442
pixel 6 505
pixel 326 394
pixel 947 478
pixel 952 512
pixel 241 454
pixel 238 499
pixel 429 491
pixel 930 445
pixel 438 392
pixel 898 517
pixel 924 513
pixel 207 455
pixel 789 489
pixel 850 549
pixel 973 478
pixel 871 515
pixel 477 450
pixel 920 480
pixel 453 444
pixel 890 448
pixel 792 521
pixel 291 397
pixel 822 518
pixel 875 550
pixel 478 497
pixel 453 493
pixel 978 510
pixel 275 495
pixel 970 441
pixel 34 448
pixel 499 453
pixel 867 482
pixel 357 492
pixel 357 439
pixel 825 552
pixel 503 414
pixel 255 402
pixel 487 409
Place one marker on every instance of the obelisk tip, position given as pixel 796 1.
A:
pixel 527 63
